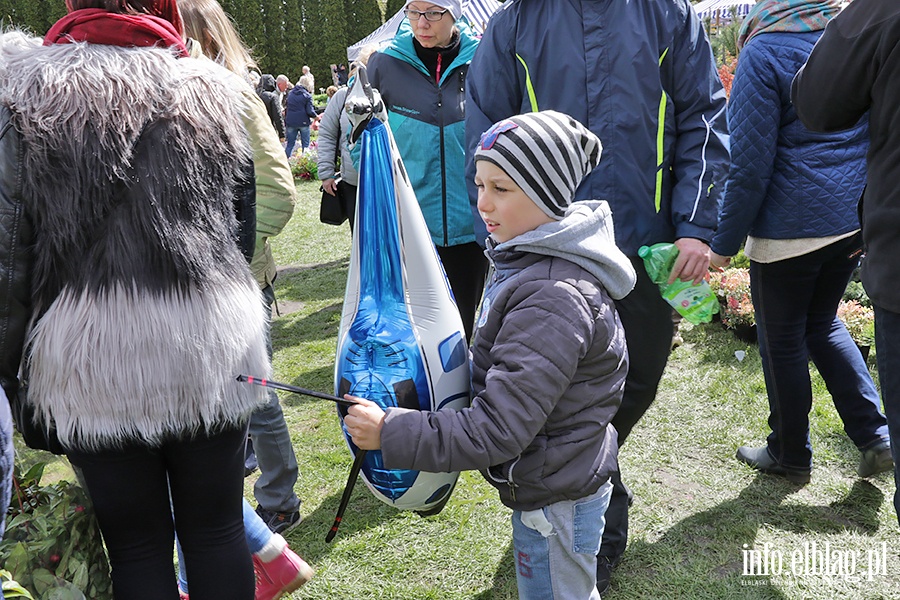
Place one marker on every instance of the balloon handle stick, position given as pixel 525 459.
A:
pixel 348 490
pixel 292 388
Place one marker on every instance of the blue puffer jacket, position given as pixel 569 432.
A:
pixel 639 74
pixel 427 120
pixel 785 182
pixel 300 110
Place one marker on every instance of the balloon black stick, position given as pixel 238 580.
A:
pixel 348 490
pixel 292 388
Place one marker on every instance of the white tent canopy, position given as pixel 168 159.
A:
pixel 476 12
pixel 713 9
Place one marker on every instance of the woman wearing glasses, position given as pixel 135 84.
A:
pixel 421 76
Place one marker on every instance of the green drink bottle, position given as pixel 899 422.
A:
pixel 696 303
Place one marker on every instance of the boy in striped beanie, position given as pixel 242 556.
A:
pixel 548 358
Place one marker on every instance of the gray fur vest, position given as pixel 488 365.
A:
pixel 144 310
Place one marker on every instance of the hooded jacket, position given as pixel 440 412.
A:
pixel 125 289
pixel 548 370
pixel 427 119
pixel 641 76
pixel 273 103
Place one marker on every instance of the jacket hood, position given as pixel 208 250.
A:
pixel 267 83
pixel 585 237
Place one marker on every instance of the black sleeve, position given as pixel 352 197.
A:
pixel 273 107
pixel 834 88
pixel 245 210
pixel 16 237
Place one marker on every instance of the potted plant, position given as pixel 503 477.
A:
pixel 304 165
pixel 732 288
pixel 860 323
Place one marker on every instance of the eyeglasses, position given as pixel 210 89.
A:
pixel 430 15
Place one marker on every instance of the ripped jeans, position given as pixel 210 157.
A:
pixel 555 548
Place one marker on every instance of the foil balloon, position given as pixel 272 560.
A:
pixel 401 341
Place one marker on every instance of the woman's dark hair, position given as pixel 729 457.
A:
pixel 164 9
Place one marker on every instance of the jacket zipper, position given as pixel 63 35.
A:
pixel 509 478
pixel 440 105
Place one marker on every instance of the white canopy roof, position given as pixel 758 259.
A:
pixel 707 9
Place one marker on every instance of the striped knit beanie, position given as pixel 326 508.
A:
pixel 546 153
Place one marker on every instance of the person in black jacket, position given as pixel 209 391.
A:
pixel 267 91
pixel 855 69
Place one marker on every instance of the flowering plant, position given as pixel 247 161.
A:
pixel 305 165
pixel 726 72
pixel 859 321
pixel 732 288
pixel 52 545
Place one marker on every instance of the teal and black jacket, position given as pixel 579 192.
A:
pixel 428 122
pixel 639 74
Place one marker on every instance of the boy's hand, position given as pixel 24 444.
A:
pixel 692 262
pixel 364 421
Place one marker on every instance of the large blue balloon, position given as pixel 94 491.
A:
pixel 401 340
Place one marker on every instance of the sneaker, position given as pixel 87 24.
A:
pixel 605 566
pixel 761 460
pixel 279 522
pixel 282 575
pixel 875 460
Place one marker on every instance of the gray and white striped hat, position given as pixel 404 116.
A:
pixel 546 153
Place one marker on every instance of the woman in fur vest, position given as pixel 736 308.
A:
pixel 133 306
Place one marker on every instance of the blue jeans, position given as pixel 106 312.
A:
pixel 256 530
pixel 796 301
pixel 291 138
pixel 555 548
pixel 278 470
pixel 887 345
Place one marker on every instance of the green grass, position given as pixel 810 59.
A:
pixel 695 506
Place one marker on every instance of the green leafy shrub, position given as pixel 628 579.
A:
pixel 52 545
pixel 859 321
pixel 856 291
pixel 11 588
pixel 740 260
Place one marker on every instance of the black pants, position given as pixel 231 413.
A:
pixel 347 196
pixel 129 488
pixel 465 266
pixel 647 320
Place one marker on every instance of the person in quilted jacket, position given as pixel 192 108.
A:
pixel 792 194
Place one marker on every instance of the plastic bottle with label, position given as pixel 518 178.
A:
pixel 694 302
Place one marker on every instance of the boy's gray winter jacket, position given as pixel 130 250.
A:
pixel 548 370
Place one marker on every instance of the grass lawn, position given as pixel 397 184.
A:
pixel 696 509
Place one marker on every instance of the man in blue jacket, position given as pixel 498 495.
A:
pixel 641 76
